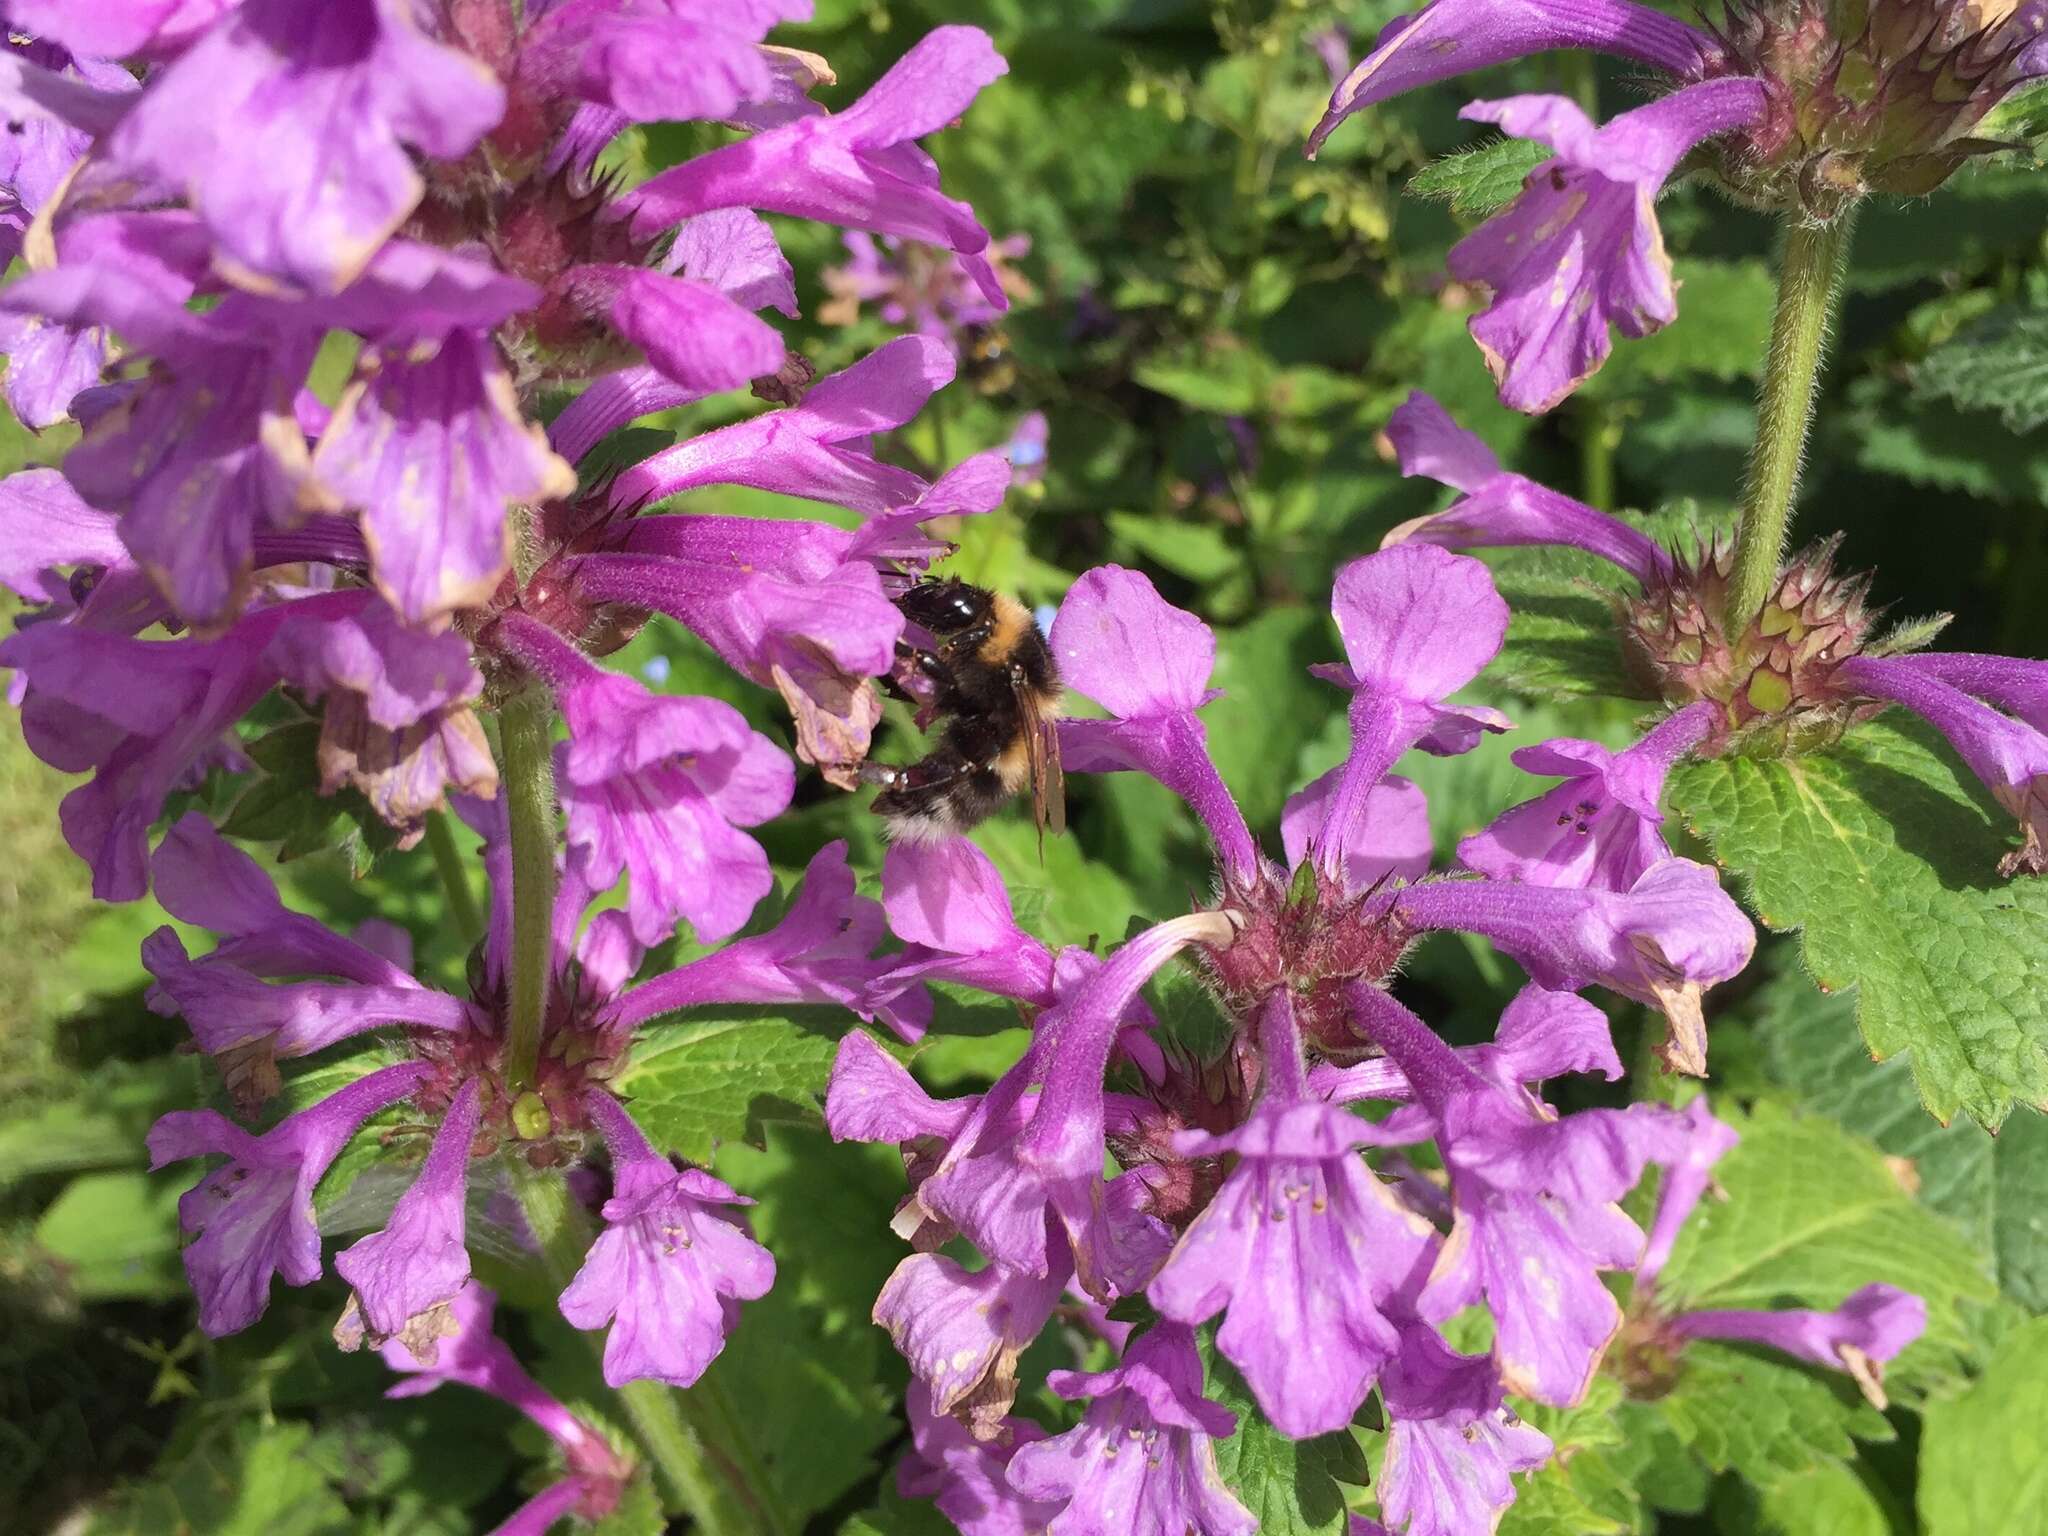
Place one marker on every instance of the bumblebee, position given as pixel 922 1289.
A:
pixel 990 672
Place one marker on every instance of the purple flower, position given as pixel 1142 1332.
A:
pixel 1451 1446
pixel 286 128
pixel 1499 508
pixel 1417 624
pixel 469 1354
pixel 1602 827
pixel 1686 1178
pixel 48 529
pixel 1860 1336
pixel 1389 837
pixel 1302 1245
pixel 2010 756
pixel 669 1270
pixel 141 714
pixel 1535 1219
pixel 1542 1034
pixel 860 168
pixel 1580 249
pixel 1026 449
pixel 938 293
pixel 656 787
pixel 403 1279
pixel 1455 37
pixel 673 60
pixel 1663 941
pixel 819 953
pixel 247 1025
pixel 968 1478
pixel 1148 663
pixel 1141 1462
pixel 950 907
pixel 429 444
pixel 962 1332
pixel 119 29
pixel 253 1217
pixel 396 724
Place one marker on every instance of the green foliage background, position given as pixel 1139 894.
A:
pixel 1219 333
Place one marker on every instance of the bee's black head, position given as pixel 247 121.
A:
pixel 946 607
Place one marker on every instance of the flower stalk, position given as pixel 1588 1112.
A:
pixel 526 742
pixel 722 1489
pixel 1809 279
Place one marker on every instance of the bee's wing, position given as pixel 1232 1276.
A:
pixel 1048 778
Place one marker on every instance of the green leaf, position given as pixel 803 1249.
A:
pixel 1883 851
pixel 1583 1489
pixel 116 1234
pixel 1199 551
pixel 1789 1236
pixel 1827 1499
pixel 255 1481
pixel 1999 364
pixel 1764 1416
pixel 721 1075
pixel 1291 1486
pixel 1271 709
pixel 1561 641
pixel 1983 1456
pixel 1479 182
pixel 1994 1188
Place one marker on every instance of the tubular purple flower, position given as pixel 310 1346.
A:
pixel 817 450
pixel 1501 509
pixel 1063 1140
pixel 1602 827
pixel 1389 839
pixel 860 168
pixel 690 331
pixel 429 443
pixel 1148 663
pixel 403 1279
pixel 140 714
pixel 285 126
pixel 1542 1034
pixel 49 528
pixel 471 1355
pixel 2009 756
pixel 671 60
pixel 962 1332
pixel 1302 1245
pixel 818 953
pixel 1141 1462
pixel 248 1024
pixel 967 1478
pixel 669 1269
pixel 1451 1445
pixel 119 29
pixel 1686 1178
pixel 1535 1219
pixel 1579 249
pixel 656 787
pixel 253 1217
pixel 948 904
pixel 361 647
pixel 201 879
pixel 1666 939
pixel 1456 37
pixel 1417 624
pixel 1861 1336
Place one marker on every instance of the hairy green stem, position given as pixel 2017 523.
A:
pixel 526 740
pixel 1809 273
pixel 469 917
pixel 691 1437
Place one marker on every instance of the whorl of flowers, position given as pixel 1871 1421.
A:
pixel 206 196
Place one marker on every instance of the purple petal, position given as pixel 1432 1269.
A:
pixel 286 128
pixel 48 526
pixel 405 1276
pixel 1860 1336
pixel 401 674
pixel 666 1264
pixel 962 1333
pixel 1502 509
pixel 1128 649
pixel 1580 249
pixel 253 1217
pixel 1456 37
pixel 1388 838
pixel 653 63
pixel 433 450
pixel 1417 622
pixel 734 251
pixel 1686 1178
